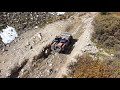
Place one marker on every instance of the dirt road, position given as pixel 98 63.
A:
pixel 25 57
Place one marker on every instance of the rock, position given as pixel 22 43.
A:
pixel 101 49
pixel 50 64
pixel 83 50
pixel 31 47
pixel 6 50
pixel 46 63
pixel 23 20
pixel 72 18
pixel 19 38
pixel 40 36
pixel 16 40
pixel 3 49
pixel 48 71
pixel 51 70
pixel 3 61
pixel 8 74
pixel 89 44
pixel 22 70
pixel 60 61
pixel 40 72
pixel 34 37
pixel 37 77
pixel 36 27
pixel 112 55
pixel 28 43
pixel 8 45
pixel 41 75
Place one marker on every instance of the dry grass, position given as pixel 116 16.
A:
pixel 107 31
pixel 86 67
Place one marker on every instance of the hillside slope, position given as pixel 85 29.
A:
pixel 25 57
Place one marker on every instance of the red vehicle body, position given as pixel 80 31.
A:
pixel 60 43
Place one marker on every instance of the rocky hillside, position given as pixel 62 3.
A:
pixel 23 20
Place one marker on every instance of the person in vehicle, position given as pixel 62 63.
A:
pixel 63 40
pixel 57 39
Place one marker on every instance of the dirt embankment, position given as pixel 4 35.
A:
pixel 25 58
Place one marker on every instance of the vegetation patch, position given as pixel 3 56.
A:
pixel 86 67
pixel 107 32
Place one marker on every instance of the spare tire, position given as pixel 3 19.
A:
pixel 57 48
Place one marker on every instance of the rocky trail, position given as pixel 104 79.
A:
pixel 24 58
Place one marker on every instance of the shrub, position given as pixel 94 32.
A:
pixel 117 55
pixel 107 30
pixel 86 67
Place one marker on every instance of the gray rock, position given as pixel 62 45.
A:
pixel 61 61
pixel 50 64
pixel 112 55
pixel 36 27
pixel 51 70
pixel 3 61
pixel 3 49
pixel 47 63
pixel 31 47
pixel 83 50
pixel 8 45
pixel 23 20
pixel 28 43
pixel 89 44
pixel 6 50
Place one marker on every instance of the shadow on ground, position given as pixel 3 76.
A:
pixel 70 47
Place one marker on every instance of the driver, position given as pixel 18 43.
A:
pixel 57 39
